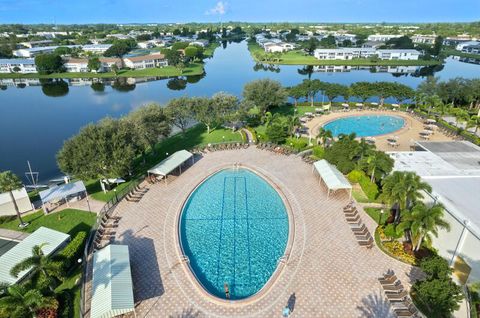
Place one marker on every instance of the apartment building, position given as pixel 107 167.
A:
pixel 23 65
pixel 355 53
pixel 383 37
pixel 278 47
pixel 145 61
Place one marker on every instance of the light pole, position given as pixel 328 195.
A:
pixel 380 217
pixel 115 191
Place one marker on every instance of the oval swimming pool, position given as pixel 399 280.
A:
pixel 365 125
pixel 234 229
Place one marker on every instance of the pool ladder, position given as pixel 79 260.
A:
pixel 236 166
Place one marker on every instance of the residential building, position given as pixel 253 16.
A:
pixel 424 39
pixel 145 45
pixel 25 65
pixel 145 61
pixel 32 52
pixel 454 40
pixel 472 49
pixel 372 44
pixel 96 48
pixel 31 44
pixel 383 37
pixel 460 46
pixel 74 65
pixel 119 36
pixel 108 62
pixel 452 170
pixel 201 42
pixel 278 47
pixel 355 53
pixel 344 53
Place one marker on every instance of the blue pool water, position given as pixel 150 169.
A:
pixel 234 229
pixel 363 126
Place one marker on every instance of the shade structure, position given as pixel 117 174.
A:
pixel 170 163
pixel 21 199
pixel 333 179
pixel 61 192
pixel 395 105
pixel 112 288
pixel 52 240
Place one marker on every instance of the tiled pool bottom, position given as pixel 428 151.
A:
pixel 234 229
pixel 365 125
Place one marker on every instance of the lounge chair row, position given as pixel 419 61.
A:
pixel 397 295
pixel 275 148
pixel 106 231
pixel 359 230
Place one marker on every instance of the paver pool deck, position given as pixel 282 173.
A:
pixel 406 135
pixel 328 273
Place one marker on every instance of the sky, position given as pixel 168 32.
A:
pixel 166 11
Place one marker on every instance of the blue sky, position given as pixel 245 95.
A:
pixel 124 11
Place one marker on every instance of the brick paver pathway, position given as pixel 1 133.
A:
pixel 329 274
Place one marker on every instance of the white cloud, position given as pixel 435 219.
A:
pixel 220 8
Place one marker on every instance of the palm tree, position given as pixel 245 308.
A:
pixel 415 186
pixel 401 189
pixel 40 264
pixel 423 221
pixel 8 183
pixel 324 135
pixel 372 162
pixel 23 302
pixel 474 122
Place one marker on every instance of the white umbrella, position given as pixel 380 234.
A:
pixel 345 105
pixel 359 104
pixel 374 104
pixel 395 105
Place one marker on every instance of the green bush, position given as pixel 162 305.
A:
pixel 7 218
pixel 65 309
pixel 355 175
pixel 318 152
pixel 369 188
pixel 74 249
pixel 437 295
pixel 297 143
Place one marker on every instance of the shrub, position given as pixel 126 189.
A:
pixel 355 175
pixel 74 249
pixel 65 309
pixel 437 295
pixel 369 188
pixel 395 249
pixel 297 144
pixel 7 218
pixel 318 152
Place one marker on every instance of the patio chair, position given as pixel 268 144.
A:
pixel 406 312
pixel 393 292
pixel 360 231
pixel 350 213
pixel 368 243
pixel 357 226
pixel 363 237
pixel 402 295
pixel 387 280
pixel 396 286
pixel 352 219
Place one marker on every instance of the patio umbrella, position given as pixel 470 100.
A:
pixel 359 104
pixel 395 105
pixel 345 105
pixel 374 104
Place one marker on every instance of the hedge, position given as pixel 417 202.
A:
pixel 369 188
pixel 74 249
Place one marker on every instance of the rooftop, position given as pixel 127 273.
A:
pixel 17 61
pixel 462 155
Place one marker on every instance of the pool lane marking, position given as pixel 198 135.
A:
pixel 234 230
pixel 248 236
pixel 221 230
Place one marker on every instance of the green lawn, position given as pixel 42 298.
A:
pixel 374 213
pixel 359 196
pixel 193 137
pixel 299 57
pixel 69 221
pixel 167 71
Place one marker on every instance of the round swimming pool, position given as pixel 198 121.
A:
pixel 365 125
pixel 234 229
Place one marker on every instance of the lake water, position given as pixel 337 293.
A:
pixel 35 117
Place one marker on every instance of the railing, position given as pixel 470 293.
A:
pixel 106 209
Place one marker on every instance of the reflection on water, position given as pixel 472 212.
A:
pixel 36 116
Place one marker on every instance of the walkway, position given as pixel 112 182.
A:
pixel 13 235
pixel 327 271
pixel 405 135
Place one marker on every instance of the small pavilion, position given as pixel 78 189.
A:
pixel 332 178
pixel 63 193
pixel 174 161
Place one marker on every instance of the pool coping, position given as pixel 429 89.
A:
pixel 372 113
pixel 267 288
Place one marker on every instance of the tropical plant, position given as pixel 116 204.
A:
pixel 422 221
pixel 377 164
pixel 42 267
pixel 324 135
pixel 21 302
pixel 8 183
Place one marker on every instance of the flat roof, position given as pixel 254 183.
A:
pixel 112 288
pixel 51 239
pixel 17 61
pixel 463 155
pixel 333 178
